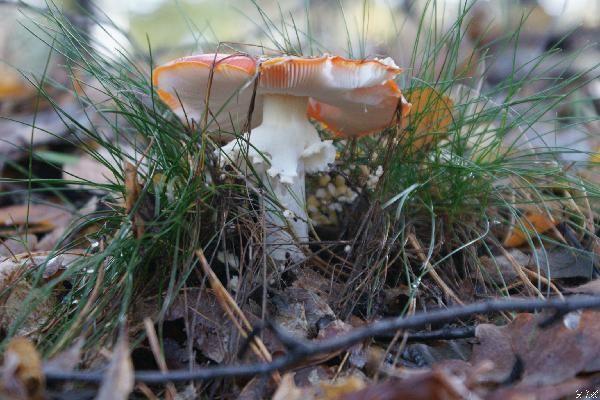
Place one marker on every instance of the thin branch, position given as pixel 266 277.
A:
pixel 449 333
pixel 301 349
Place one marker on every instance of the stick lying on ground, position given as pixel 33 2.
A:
pixel 300 349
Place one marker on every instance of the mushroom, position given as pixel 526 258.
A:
pixel 224 80
pixel 349 97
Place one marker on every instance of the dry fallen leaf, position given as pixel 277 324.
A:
pixel 434 385
pixel 39 217
pixel 12 303
pixel 546 355
pixel 341 387
pixel 18 244
pixel 11 268
pixel 535 222
pixel 570 389
pixel 550 262
pixel 88 168
pixel 118 380
pixel 288 390
pixel 22 291
pixel 22 375
pixel 66 360
pixel 13 87
pixel 592 288
pixel 209 328
pixel 318 389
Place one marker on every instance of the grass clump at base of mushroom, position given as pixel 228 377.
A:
pixel 403 212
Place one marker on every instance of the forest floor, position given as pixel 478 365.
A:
pixel 453 255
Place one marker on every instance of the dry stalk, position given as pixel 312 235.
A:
pixel 235 314
pixel 414 242
pixel 171 391
pixel 519 270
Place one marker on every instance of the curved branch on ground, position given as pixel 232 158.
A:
pixel 301 349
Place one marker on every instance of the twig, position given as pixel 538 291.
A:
pixel 302 349
pixel 449 333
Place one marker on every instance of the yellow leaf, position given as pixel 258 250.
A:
pixel 534 222
pixel 428 119
pixel 12 87
pixel 596 156
pixel 24 365
pixel 332 391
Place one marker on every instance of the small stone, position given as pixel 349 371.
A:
pixel 331 189
pixel 234 283
pixel 341 190
pixel 335 207
pixel 321 193
pixel 324 180
pixel 364 170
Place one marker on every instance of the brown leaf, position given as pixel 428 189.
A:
pixel 561 262
pixel 39 217
pixel 66 360
pixel 257 388
pixel 22 371
pixel 13 302
pixel 18 244
pixel 500 270
pixel 133 190
pixel 570 389
pixel 548 356
pixel 118 380
pixel 334 328
pixel 209 328
pixel 495 346
pixel 88 168
pixel 11 268
pixel 433 385
pixel 315 306
pixel 22 294
pixel 592 288
pixel 291 316
pixel 298 309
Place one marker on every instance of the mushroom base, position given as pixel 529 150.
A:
pixel 290 212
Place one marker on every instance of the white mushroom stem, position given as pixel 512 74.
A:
pixel 292 147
